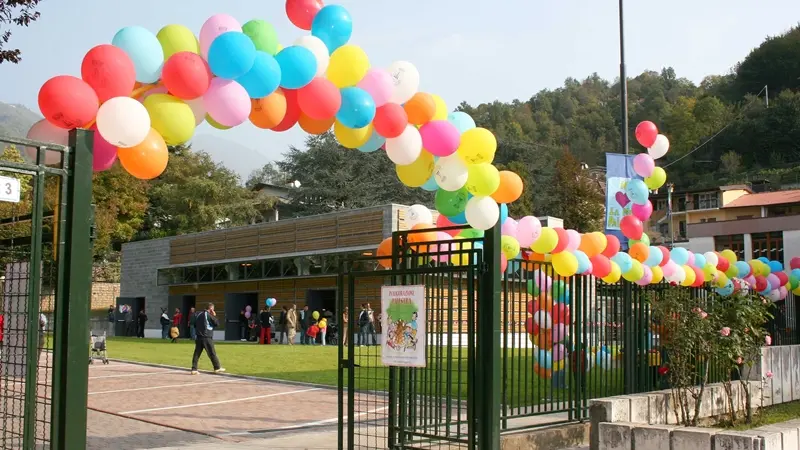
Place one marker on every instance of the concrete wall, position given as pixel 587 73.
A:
pixel 139 278
pixel 701 245
pixel 791 246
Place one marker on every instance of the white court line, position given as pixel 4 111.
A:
pixel 310 424
pixel 138 374
pixel 163 387
pixel 221 402
pixel 112 366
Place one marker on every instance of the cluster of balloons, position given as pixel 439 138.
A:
pixel 271 302
pixel 146 91
pixel 248 311
pixel 548 322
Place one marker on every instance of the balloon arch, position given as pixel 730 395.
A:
pixel 145 91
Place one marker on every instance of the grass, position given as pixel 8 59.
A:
pixel 770 415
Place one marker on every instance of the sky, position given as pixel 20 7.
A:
pixel 465 50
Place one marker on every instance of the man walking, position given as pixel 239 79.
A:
pixel 111 320
pixel 291 324
pixel 142 322
pixel 282 327
pixel 205 323
pixel 164 319
pixel 130 327
pixel 266 326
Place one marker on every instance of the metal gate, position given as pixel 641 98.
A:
pixel 45 281
pixel 444 404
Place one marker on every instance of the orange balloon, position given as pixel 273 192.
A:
pixel 639 251
pixel 544 340
pixel 510 188
pixel 146 160
pixel 427 236
pixel 385 249
pixel 269 111
pixel 420 109
pixel 542 372
pixel 314 126
pixel 590 244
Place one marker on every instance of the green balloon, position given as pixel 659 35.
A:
pixel 533 289
pixel 471 233
pixel 263 35
pixel 451 203
pixel 644 240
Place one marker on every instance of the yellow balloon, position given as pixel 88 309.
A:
pixel 482 180
pixel 171 117
pixel 636 272
pixel 565 264
pixel 351 137
pixel 441 108
pixel 418 172
pixel 510 247
pixel 732 272
pixel 459 259
pixel 729 255
pixel 690 276
pixel 656 179
pixel 796 291
pixel 547 241
pixel 658 274
pixel 722 279
pixel 216 124
pixel 478 145
pixel 176 39
pixel 708 272
pixel 347 66
pixel 614 275
pixel 280 47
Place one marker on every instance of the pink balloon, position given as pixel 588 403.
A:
pixel 103 153
pixel 750 279
pixel 647 277
pixel 643 164
pixel 774 282
pixel 783 291
pixel 503 263
pixel 690 262
pixel 642 212
pixel 559 332
pixel 215 26
pixel 574 240
pixel 669 268
pixel 440 137
pixel 443 246
pixel 379 84
pixel 529 230
pixel 227 102
pixel 509 228
pixel 542 279
pixel 558 352
pixel 589 269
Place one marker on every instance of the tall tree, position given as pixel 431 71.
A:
pixel 268 174
pixel 578 198
pixel 19 13
pixel 120 205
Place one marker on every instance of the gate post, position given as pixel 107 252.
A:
pixel 489 329
pixel 70 346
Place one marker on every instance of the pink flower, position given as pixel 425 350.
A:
pixel 703 314
pixel 746 330
pixel 725 331
pixel 768 340
pixel 769 374
pixel 739 361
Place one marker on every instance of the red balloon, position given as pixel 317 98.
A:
pixel 561 314
pixel 664 255
pixel 761 283
pixel 646 133
pixel 601 265
pixel 302 12
pixel 723 264
pixel 795 263
pixel 631 227
pixel 109 71
pixel 68 102
pixel 320 99
pixel 390 120
pixel 292 111
pixel 699 277
pixel 782 277
pixel 563 240
pixel 186 75
pixel 612 246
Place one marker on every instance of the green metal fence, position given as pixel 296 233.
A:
pixel 45 270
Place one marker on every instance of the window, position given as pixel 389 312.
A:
pixel 682 203
pixel 682 228
pixel 707 200
pixel 768 245
pixel 734 242
pixel 661 204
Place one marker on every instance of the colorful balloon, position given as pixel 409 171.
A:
pixel 405 148
pixel 631 227
pixel 263 35
pixel 298 66
pixel 357 109
pixel 172 118
pixel 478 145
pixel 320 99
pixel 482 212
pixel 356 137
pixel 186 75
pixel 109 71
pixel 646 133
pixel 263 78
pixel 450 173
pixel 231 55
pixel 177 38
pixel 333 26
pixel 292 111
pixel 643 164
pixel 44 131
pixel 390 120
pixel 379 84
pixel 215 26
pixel 269 111
pixel 660 147
pixel 405 78
pixel 227 102
pixel 318 49
pixel 68 102
pixel 656 179
pixel 124 122
pixel 144 50
pixel 440 137
pixel 146 160
pixel 302 12
pixel 348 65
pixel 417 173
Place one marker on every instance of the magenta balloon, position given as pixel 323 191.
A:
pixel 642 212
pixel 647 276
pixel 559 332
pixel 669 268
pixel 643 164
pixel 215 26
pixel 558 352
pixel 379 84
pixel 750 279
pixel 440 138
pixel 103 153
pixel 443 246
pixel 774 281
pixel 784 292
pixel 227 102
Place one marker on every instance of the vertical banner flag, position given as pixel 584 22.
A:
pixel 619 170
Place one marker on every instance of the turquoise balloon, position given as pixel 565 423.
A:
pixel 743 268
pixel 503 213
pixel 725 290
pixel 144 50
pixel 461 120
pixel 637 191
pixel 231 55
pixel 333 26
pixel 653 257
pixel 680 255
pixel 263 78
pixel 700 260
pixel 545 359
pixel 458 219
pixel 430 185
pixel 358 108
pixel 583 261
pixel 298 67
pixel 374 143
pixel 623 260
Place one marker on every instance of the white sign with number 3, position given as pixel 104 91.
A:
pixel 9 190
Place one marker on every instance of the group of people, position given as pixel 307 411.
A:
pixel 132 327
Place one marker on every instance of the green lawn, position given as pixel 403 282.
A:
pixel 770 415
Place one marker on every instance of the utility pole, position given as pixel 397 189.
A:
pixel 623 81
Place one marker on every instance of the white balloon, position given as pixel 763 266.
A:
pixel 44 131
pixel 418 214
pixel 678 276
pixel 711 258
pixel 318 48
pixel 406 81
pixel 660 147
pixel 198 109
pixel 122 121
pixel 774 295
pixel 482 212
pixel 543 319
pixel 406 148
pixel 450 173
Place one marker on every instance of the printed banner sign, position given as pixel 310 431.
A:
pixel 403 321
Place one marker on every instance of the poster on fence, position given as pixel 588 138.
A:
pixel 403 321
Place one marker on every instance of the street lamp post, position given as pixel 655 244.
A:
pixel 623 80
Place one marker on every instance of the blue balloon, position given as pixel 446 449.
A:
pixel 742 268
pixel 358 108
pixel 231 55
pixel 545 359
pixel 333 26
pixel 725 290
pixel 795 273
pixel 430 185
pixel 374 143
pixel 461 120
pixel 637 191
pixel 460 219
pixel 775 266
pixel 680 255
pixel 298 66
pixel 503 213
pixel 583 261
pixel 623 260
pixel 145 51
pixel 763 260
pixel 699 260
pixel 263 78
pixel 654 256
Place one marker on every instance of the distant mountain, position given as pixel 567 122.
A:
pixel 16 120
pixel 240 159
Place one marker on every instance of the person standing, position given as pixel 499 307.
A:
pixel 205 322
pixel 130 326
pixel 164 319
pixel 305 324
pixel 111 320
pixel 282 327
pixel 266 326
pixel 142 322
pixel 192 321
pixel 291 324
pixel 345 323
pixel 177 321
pixel 323 329
pixel 42 336
pixel 242 326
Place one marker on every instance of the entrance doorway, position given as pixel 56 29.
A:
pixel 124 327
pixel 235 303
pixel 323 299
